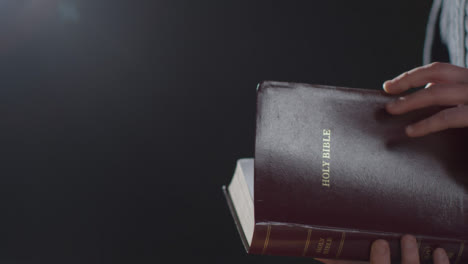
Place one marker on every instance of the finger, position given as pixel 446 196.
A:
pixel 435 72
pixel 440 256
pixel 409 250
pixel 449 118
pixel 380 252
pixel 438 94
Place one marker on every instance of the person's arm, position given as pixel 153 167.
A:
pixel 380 253
pixel 446 85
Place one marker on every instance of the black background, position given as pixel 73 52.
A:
pixel 121 120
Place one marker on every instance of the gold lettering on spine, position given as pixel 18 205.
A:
pixel 343 236
pixel 320 245
pixel 460 253
pixel 427 253
pixel 267 240
pixel 328 244
pixel 326 145
pixel 306 247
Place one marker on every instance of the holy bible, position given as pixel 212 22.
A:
pixel 333 172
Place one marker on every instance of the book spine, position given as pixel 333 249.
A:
pixel 319 242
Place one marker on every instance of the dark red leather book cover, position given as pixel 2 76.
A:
pixel 334 172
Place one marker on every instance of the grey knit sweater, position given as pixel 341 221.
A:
pixel 446 33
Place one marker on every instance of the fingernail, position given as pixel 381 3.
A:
pixel 410 130
pixel 410 242
pixel 385 85
pixel 440 255
pixel 380 247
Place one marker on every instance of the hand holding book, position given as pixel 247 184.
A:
pixel 380 253
pixel 335 177
pixel 446 85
